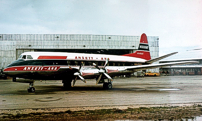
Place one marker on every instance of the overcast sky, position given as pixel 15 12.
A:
pixel 178 23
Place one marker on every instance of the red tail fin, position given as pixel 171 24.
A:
pixel 143 49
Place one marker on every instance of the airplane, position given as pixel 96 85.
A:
pixel 69 67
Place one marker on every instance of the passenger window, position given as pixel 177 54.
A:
pixel 29 57
pixel 90 63
pixel 37 63
pixel 72 62
pixel 79 62
pixel 68 63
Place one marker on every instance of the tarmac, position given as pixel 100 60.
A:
pixel 126 92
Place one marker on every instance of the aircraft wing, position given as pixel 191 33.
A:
pixel 161 57
pixel 143 67
pixel 93 72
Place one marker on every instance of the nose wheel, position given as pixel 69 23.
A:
pixel 31 89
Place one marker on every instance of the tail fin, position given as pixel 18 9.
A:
pixel 143 49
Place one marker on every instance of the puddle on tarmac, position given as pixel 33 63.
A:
pixel 169 89
pixel 47 99
pixel 156 89
pixel 198 118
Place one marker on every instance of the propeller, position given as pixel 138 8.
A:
pixel 102 71
pixel 78 74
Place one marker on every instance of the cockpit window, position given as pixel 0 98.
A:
pixel 29 57
pixel 20 57
pixel 24 57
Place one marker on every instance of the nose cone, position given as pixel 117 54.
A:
pixel 4 70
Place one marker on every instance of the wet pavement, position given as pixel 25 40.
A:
pixel 126 92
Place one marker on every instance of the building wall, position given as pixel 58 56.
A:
pixel 186 69
pixel 182 71
pixel 12 45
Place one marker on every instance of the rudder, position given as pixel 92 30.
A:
pixel 143 49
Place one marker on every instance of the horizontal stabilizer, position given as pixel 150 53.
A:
pixel 143 67
pixel 161 57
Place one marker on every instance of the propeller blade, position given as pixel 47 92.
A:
pixel 106 62
pixel 80 66
pixel 74 82
pixel 98 79
pixel 81 77
pixel 107 76
pixel 76 73
pixel 96 66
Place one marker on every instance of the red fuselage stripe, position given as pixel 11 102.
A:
pixel 32 68
pixel 52 57
pixel 140 54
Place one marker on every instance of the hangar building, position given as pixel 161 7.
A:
pixel 190 69
pixel 12 45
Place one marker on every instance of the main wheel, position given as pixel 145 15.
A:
pixel 31 89
pixel 107 85
pixel 67 84
pixel 14 79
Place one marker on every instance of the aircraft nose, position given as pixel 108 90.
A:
pixel 2 71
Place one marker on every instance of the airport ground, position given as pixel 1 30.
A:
pixel 178 97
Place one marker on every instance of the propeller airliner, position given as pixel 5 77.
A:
pixel 70 67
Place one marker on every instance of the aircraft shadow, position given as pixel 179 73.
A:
pixel 54 89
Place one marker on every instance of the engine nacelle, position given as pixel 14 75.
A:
pixel 22 80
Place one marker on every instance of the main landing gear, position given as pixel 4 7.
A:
pixel 107 85
pixel 67 83
pixel 31 89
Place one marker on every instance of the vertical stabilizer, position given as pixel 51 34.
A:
pixel 143 49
